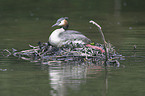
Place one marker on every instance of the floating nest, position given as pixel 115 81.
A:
pixel 44 52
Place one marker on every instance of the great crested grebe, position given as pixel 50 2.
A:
pixel 59 37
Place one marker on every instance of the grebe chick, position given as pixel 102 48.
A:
pixel 59 37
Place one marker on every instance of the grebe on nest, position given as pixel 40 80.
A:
pixel 59 37
pixel 62 36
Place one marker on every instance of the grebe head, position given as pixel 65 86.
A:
pixel 62 22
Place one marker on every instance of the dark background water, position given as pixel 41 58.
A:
pixel 24 22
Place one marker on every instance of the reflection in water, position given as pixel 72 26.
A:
pixel 66 76
pixel 117 11
pixel 105 82
pixel 117 7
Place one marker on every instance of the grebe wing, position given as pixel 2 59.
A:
pixel 73 35
pixel 72 32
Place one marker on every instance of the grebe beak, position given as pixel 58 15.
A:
pixel 56 24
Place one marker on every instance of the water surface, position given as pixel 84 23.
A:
pixel 28 22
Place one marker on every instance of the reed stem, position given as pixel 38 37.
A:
pixel 103 38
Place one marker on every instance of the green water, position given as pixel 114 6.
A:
pixel 24 22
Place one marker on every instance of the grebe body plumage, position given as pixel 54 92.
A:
pixel 59 37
